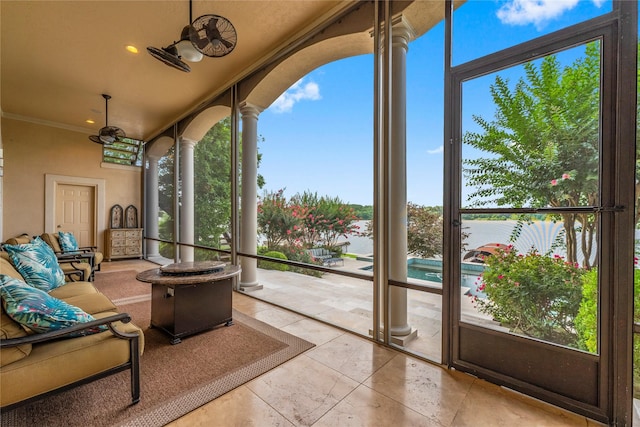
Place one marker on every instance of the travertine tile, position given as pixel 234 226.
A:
pixel 239 407
pixel 365 408
pixel 313 331
pixel 489 405
pixel 322 386
pixel 347 320
pixel 352 356
pixel 302 390
pixel 426 388
pixel 277 317
pixel 249 306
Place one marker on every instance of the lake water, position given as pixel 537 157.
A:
pixel 540 234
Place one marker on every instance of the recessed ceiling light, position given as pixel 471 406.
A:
pixel 132 48
pixel 90 121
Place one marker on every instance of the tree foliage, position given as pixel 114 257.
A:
pixel 424 231
pixel 306 220
pixel 212 186
pixel 542 144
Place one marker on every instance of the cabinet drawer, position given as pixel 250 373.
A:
pixel 117 234
pixel 132 242
pixel 132 250
pixel 118 251
pixel 130 234
pixel 118 242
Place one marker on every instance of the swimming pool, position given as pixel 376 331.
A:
pixel 431 270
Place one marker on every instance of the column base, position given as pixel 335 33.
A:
pixel 250 287
pixel 401 340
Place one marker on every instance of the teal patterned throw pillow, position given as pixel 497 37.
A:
pixel 39 311
pixel 37 264
pixel 67 241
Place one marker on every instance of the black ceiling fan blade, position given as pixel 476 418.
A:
pixel 168 57
pixel 211 30
pixel 227 43
pixel 96 139
pixel 111 134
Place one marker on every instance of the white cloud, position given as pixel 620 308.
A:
pixel 298 92
pixel 537 12
pixel 438 150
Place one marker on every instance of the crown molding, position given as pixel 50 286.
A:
pixel 48 123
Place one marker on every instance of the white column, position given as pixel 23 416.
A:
pixel 249 198
pixel 187 199
pixel 152 207
pixel 401 34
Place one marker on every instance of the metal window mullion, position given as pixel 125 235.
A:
pixel 235 210
pixel 383 258
pixel 376 169
pixel 176 191
pixel 548 210
pixel 448 231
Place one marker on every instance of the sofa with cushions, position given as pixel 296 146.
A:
pixel 75 266
pixel 56 334
pixel 64 245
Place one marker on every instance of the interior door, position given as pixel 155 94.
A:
pixel 75 212
pixel 531 161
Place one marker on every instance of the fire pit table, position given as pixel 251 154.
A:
pixel 190 297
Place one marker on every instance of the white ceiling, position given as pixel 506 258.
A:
pixel 58 57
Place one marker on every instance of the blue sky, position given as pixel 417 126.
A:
pixel 318 134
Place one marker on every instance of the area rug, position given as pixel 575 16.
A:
pixel 174 379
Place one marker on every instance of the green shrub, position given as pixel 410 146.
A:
pixel 297 253
pixel 587 320
pixel 533 294
pixel 269 265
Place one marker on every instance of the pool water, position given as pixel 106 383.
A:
pixel 431 270
pixel 422 272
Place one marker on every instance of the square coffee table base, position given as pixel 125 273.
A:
pixel 182 310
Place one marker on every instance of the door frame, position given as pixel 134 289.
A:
pixel 51 187
pixel 603 400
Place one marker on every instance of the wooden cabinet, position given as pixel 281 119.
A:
pixel 123 243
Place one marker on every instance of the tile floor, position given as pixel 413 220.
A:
pixel 346 380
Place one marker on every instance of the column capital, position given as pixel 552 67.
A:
pixel 189 143
pixel 402 32
pixel 249 110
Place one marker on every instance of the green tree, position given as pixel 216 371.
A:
pixel 336 220
pixel 424 230
pixel 543 145
pixel 304 221
pixel 276 221
pixel 212 186
pixel 363 212
pixel 323 219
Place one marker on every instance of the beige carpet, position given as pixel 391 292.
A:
pixel 175 379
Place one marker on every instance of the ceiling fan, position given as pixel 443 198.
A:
pixel 210 35
pixel 213 35
pixel 107 134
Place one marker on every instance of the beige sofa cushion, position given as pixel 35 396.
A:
pixel 92 303
pixel 11 329
pixel 72 289
pixel 7 268
pixel 85 356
